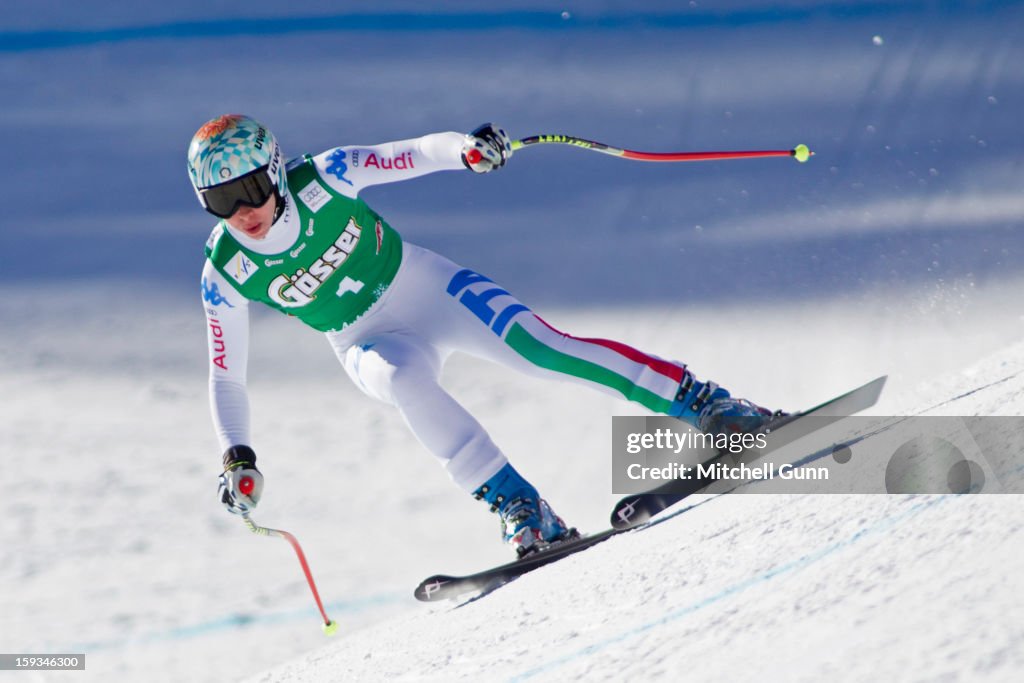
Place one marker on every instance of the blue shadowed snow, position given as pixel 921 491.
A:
pixel 234 622
pixel 536 20
pixel 913 110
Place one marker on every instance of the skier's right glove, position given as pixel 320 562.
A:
pixel 486 148
pixel 241 484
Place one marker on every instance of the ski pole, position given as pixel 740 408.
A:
pixel 801 153
pixel 330 627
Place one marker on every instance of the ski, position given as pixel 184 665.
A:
pixel 442 587
pixel 633 511
pixel 638 508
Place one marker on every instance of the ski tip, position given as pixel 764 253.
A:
pixel 878 383
pixel 629 513
pixel 431 589
pixel 872 388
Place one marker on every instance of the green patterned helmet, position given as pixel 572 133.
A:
pixel 235 160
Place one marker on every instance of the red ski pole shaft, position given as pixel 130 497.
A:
pixel 329 625
pixel 801 153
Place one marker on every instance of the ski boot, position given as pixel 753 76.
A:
pixel 528 523
pixel 711 409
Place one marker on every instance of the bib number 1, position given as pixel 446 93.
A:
pixel 349 285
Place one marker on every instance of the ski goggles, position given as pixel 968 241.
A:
pixel 253 189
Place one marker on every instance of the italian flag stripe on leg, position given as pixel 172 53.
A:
pixel 639 377
pixel 668 369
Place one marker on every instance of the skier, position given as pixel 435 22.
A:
pixel 298 238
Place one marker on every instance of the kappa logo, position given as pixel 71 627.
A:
pixel 336 165
pixel 212 295
pixel 314 196
pixel 240 267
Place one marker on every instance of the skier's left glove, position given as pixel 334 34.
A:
pixel 241 484
pixel 486 148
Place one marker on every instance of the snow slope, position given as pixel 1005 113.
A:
pixel 787 587
pixel 120 553
pixel 896 250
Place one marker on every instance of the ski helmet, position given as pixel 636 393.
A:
pixel 235 160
